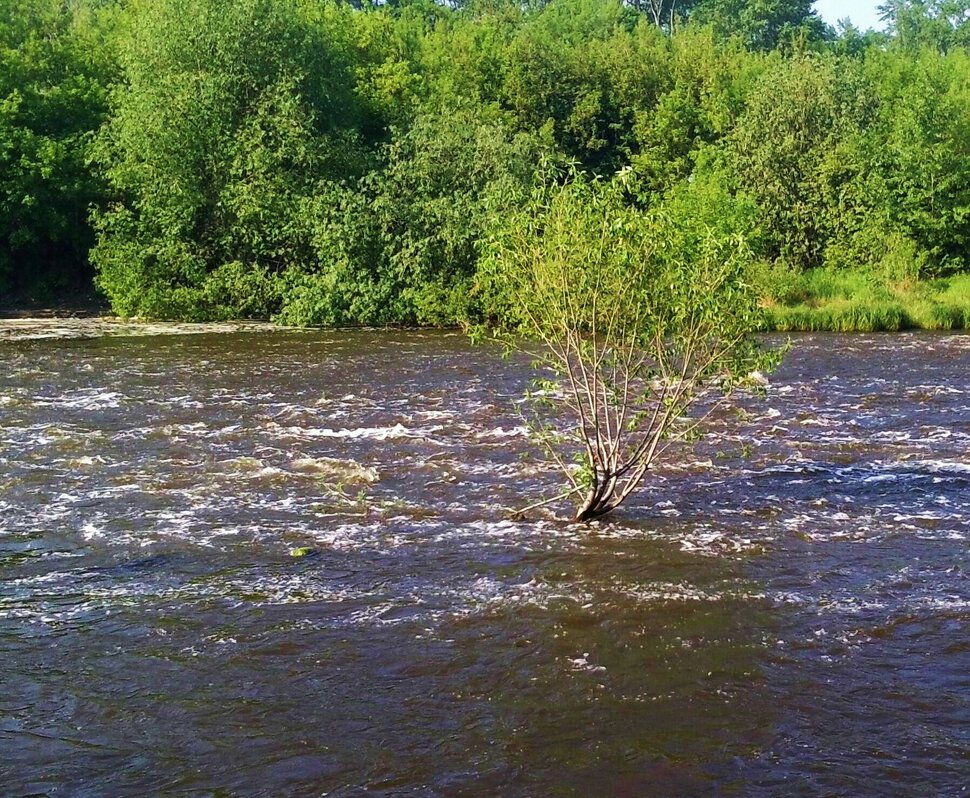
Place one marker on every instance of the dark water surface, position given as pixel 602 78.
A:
pixel 789 622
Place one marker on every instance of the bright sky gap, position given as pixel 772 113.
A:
pixel 863 13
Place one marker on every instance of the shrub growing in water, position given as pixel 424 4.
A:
pixel 643 321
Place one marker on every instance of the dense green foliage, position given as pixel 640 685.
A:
pixel 55 69
pixel 336 163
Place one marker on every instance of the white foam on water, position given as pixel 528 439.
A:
pixel 437 415
pixel 91 532
pixel 37 329
pixel 937 390
pixel 952 603
pixel 892 436
pixel 502 432
pixel 880 478
pixel 354 537
pixel 682 592
pixel 713 542
pixel 582 663
pixel 488 594
pixel 290 589
pixel 84 461
pixel 84 399
pixel 815 421
pixel 933 466
pixel 395 432
pixel 343 470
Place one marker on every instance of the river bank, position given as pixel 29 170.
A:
pixel 847 300
pixel 818 300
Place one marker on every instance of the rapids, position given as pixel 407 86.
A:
pixel 262 562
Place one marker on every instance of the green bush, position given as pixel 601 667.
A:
pixel 55 63
pixel 215 166
pixel 641 317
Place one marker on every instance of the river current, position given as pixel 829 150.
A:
pixel 276 563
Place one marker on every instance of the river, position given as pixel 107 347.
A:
pixel 271 563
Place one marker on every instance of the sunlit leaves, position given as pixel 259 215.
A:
pixel 645 318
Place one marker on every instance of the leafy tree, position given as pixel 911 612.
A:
pixel 229 114
pixel 788 152
pixel 435 201
pixel 553 76
pixel 403 246
pixel 644 321
pixel 389 62
pixel 331 162
pixel 665 14
pixel 706 85
pixel 850 41
pixel 940 24
pixel 761 24
pixel 919 154
pixel 54 66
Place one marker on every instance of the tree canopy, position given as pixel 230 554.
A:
pixel 336 163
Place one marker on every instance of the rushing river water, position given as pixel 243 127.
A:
pixel 784 614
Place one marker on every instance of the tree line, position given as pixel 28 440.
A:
pixel 319 162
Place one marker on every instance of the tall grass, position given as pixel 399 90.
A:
pixel 847 300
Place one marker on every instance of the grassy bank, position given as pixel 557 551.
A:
pixel 818 300
pixel 861 301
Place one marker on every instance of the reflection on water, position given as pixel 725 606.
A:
pixel 789 620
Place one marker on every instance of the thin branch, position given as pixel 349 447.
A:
pixel 544 502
